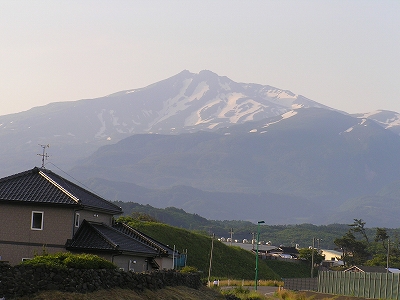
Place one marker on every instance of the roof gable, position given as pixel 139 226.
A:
pixel 45 187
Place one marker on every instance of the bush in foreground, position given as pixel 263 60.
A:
pixel 69 260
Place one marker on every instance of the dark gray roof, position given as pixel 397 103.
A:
pixel 140 236
pixel 43 186
pixel 101 237
pixel 367 269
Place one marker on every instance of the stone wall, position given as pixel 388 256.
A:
pixel 26 280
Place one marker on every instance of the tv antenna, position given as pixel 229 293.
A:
pixel 44 154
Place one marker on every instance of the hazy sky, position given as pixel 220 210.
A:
pixel 344 54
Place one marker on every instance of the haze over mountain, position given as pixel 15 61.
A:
pixel 246 150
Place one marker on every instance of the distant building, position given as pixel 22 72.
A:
pixel 371 269
pixel 332 258
pixel 332 255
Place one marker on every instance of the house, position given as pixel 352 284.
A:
pixel 332 255
pixel 332 258
pixel 283 252
pixel 42 211
pixel 123 245
pixel 371 269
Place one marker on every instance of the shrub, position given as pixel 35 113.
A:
pixel 241 293
pixel 189 269
pixel 87 261
pixel 69 260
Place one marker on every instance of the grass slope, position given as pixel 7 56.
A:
pixel 228 262
pixel 290 270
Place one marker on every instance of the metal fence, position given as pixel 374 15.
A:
pixel 366 285
pixel 301 284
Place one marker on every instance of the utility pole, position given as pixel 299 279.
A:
pixel 312 257
pixel 258 238
pixel 173 259
pixel 211 255
pixel 318 247
pixel 387 258
pixel 252 239
pixel 231 232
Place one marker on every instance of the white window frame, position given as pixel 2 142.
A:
pixel 77 219
pixel 41 223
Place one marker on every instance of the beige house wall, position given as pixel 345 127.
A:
pixel 18 240
pixel 165 263
pixel 16 224
pixel 14 254
pixel 134 264
pixel 127 262
pixel 92 217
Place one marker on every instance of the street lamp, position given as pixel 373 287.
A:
pixel 258 238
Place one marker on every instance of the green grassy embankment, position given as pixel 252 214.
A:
pixel 228 262
pixel 289 269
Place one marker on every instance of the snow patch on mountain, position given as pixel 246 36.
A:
pixel 114 118
pixel 350 129
pixel 280 97
pixel 237 107
pixel 100 133
pixel 180 102
pixel 289 114
pixel 284 116
pixel 369 114
pixel 199 92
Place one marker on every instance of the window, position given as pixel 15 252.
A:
pixel 37 220
pixel 77 220
pixel 25 259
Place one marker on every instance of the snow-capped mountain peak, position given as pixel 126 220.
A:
pixel 385 118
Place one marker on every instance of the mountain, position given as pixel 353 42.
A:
pixel 185 102
pixel 203 140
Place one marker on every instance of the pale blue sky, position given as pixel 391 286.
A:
pixel 344 54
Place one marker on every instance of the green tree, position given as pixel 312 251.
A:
pixel 359 227
pixel 381 236
pixel 306 254
pixel 354 252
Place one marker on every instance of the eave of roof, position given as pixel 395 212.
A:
pixel 42 186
